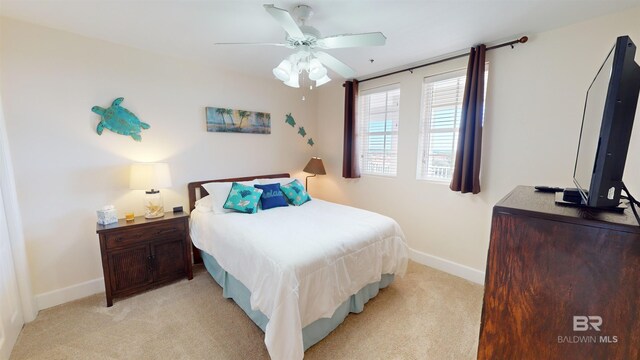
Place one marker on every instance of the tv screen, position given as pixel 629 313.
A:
pixel 607 121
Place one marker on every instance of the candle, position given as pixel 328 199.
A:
pixel 129 216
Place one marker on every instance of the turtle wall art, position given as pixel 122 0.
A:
pixel 119 120
pixel 288 119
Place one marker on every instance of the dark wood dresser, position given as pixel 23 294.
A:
pixel 144 253
pixel 561 282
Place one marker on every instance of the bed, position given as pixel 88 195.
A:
pixel 297 271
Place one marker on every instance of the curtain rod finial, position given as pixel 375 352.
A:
pixel 523 39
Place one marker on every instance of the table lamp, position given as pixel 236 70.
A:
pixel 315 167
pixel 151 177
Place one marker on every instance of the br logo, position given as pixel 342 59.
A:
pixel 584 323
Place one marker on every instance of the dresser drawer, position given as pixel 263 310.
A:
pixel 118 239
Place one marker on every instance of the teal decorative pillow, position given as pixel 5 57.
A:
pixel 294 191
pixel 243 198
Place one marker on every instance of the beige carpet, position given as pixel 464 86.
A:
pixel 425 315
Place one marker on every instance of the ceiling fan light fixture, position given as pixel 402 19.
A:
pixel 316 70
pixel 303 65
pixel 306 41
pixel 293 81
pixel 283 70
pixel 325 79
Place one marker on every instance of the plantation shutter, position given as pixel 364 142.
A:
pixel 377 130
pixel 442 106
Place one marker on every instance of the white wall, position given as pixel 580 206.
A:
pixel 64 171
pixel 533 114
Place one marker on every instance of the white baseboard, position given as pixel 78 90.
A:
pixel 70 293
pixel 448 266
pixel 87 288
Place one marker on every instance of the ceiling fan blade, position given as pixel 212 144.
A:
pixel 352 40
pixel 272 44
pixel 336 65
pixel 286 21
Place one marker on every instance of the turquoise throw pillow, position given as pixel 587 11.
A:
pixel 294 191
pixel 243 198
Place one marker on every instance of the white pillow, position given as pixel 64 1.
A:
pixel 281 181
pixel 219 191
pixel 205 204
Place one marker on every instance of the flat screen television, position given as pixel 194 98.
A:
pixel 609 111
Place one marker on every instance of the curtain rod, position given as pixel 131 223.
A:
pixel 522 40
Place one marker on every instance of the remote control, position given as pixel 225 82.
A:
pixel 548 189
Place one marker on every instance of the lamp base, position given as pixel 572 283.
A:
pixel 154 216
pixel 153 205
pixel 306 182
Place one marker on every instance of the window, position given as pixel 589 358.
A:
pixel 377 130
pixel 440 123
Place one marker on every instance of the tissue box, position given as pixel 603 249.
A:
pixel 107 215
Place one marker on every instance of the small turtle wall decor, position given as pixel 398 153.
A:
pixel 289 120
pixel 119 120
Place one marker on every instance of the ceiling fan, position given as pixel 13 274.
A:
pixel 307 41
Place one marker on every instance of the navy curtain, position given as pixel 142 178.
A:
pixel 350 167
pixel 466 172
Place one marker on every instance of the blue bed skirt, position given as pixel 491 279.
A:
pixel 312 333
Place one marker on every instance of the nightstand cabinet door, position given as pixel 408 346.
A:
pixel 130 268
pixel 168 260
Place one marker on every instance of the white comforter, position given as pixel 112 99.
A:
pixel 301 263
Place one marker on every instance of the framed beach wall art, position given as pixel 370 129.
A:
pixel 238 121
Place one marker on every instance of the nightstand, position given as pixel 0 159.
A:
pixel 144 253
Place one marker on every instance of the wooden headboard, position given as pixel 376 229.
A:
pixel 196 191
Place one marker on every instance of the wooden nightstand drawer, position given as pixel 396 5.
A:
pixel 129 237
pixel 144 253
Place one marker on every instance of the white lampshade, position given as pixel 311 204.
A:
pixel 303 65
pixel 146 176
pixel 283 71
pixel 325 79
pixel 316 70
pixel 293 80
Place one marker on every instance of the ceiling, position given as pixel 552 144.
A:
pixel 415 30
